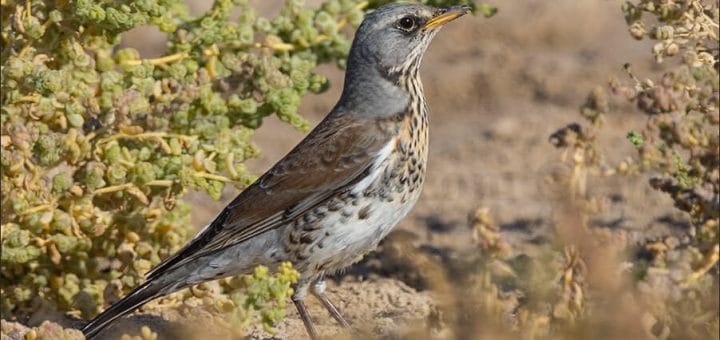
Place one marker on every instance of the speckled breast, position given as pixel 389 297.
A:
pixel 337 232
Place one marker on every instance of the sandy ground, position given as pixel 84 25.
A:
pixel 497 88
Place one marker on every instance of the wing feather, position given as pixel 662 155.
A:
pixel 336 154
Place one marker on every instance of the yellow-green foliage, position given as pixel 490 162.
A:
pixel 45 331
pixel 257 298
pixel 145 334
pixel 99 143
pixel 263 294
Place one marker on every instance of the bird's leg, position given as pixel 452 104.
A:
pixel 318 289
pixel 305 316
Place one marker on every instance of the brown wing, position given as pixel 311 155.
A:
pixel 335 155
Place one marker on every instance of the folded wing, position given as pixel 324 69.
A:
pixel 335 155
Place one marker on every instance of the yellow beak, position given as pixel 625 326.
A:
pixel 447 15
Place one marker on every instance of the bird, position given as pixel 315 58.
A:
pixel 335 195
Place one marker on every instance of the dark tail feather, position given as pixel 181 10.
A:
pixel 138 297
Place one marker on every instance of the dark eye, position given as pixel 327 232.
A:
pixel 406 23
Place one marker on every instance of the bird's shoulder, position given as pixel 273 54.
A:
pixel 331 157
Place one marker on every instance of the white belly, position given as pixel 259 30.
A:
pixel 351 237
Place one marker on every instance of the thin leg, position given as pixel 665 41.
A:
pixel 318 290
pixel 305 316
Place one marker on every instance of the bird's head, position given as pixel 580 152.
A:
pixel 394 37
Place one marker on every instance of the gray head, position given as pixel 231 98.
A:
pixel 394 37
pixel 388 48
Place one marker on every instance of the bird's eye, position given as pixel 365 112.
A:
pixel 406 24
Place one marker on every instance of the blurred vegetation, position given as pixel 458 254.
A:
pixel 99 143
pixel 675 276
pixel 680 144
pixel 45 331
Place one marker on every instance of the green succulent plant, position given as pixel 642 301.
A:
pixel 99 143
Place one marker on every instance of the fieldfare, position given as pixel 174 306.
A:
pixel 337 193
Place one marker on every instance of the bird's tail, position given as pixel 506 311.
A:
pixel 138 297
